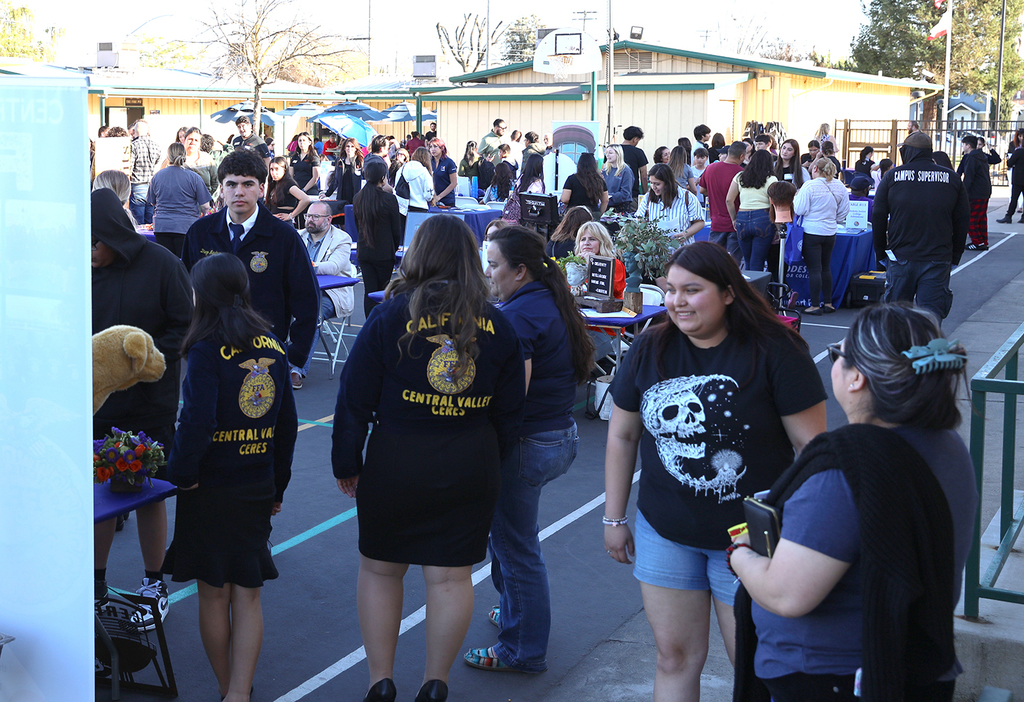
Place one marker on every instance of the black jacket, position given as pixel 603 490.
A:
pixel 387 234
pixel 921 211
pixel 974 169
pixel 281 278
pixel 1016 162
pixel 145 287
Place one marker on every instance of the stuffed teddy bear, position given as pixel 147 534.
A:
pixel 122 356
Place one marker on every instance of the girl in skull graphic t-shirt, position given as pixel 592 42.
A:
pixel 713 434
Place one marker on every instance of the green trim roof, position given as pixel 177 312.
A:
pixel 756 63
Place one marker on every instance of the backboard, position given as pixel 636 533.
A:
pixel 565 52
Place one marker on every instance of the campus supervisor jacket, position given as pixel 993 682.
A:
pixel 281 278
pixel 146 287
pixel 921 211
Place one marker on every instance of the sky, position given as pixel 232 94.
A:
pixel 395 39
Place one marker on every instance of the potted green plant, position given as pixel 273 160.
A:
pixel 644 249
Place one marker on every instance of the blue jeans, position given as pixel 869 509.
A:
pixel 927 280
pixel 326 312
pixel 729 242
pixel 517 564
pixel 142 211
pixel 755 231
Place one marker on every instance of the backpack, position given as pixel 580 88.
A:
pixel 402 186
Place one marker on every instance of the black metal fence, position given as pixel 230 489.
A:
pixel 885 136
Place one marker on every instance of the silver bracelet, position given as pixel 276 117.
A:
pixel 614 522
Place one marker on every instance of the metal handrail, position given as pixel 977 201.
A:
pixel 1005 361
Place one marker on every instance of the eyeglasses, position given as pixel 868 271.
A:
pixel 316 216
pixel 835 352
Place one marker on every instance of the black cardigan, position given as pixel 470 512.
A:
pixel 906 562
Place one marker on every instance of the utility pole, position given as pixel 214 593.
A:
pixel 585 16
pixel 609 81
pixel 999 85
pixel 487 60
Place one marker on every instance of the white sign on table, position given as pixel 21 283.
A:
pixel 857 220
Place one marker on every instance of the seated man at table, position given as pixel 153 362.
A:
pixel 330 252
pixel 860 186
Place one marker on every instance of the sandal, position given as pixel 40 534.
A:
pixel 494 615
pixel 485 659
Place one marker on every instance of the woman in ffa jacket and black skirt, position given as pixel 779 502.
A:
pixel 231 460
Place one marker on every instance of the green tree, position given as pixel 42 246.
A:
pixel 895 42
pixel 521 39
pixel 17 34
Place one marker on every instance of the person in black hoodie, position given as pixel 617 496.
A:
pixel 140 283
pixel 1015 165
pixel 921 214
pixel 974 170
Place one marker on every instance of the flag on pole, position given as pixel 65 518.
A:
pixel 938 4
pixel 944 25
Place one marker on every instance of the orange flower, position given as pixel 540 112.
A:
pixel 135 466
pixel 139 450
pixel 122 465
pixel 103 473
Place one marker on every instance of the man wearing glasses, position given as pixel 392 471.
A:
pixel 329 250
pixel 490 142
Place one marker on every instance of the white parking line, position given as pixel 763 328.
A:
pixel 420 614
pixel 982 255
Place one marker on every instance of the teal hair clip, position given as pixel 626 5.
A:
pixel 935 356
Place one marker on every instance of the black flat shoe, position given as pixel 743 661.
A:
pixel 828 309
pixel 816 311
pixel 1005 220
pixel 433 691
pixel 382 691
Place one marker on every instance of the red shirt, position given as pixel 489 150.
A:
pixel 413 144
pixel 716 179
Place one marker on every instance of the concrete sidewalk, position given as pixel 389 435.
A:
pixel 991 650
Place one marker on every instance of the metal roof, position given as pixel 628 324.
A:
pixel 754 62
pixel 513 93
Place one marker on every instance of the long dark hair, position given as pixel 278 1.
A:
pixel 370 202
pixel 574 218
pixel 520 246
pixel 277 190
pixel 755 175
pixel 502 180
pixel 794 163
pixel 590 178
pixel 671 188
pixel 532 170
pixel 310 153
pixel 223 311
pixel 468 156
pixel 442 276
pixel 748 318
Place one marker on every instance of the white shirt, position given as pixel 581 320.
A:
pixel 684 210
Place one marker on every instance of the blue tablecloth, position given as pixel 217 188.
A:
pixel 476 219
pixel 854 252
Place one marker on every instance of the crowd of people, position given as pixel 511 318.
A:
pixel 720 400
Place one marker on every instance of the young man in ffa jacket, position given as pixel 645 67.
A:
pixel 284 288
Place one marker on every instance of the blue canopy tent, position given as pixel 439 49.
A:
pixel 230 114
pixel 347 126
pixel 359 110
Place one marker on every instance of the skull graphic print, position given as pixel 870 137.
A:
pixel 685 415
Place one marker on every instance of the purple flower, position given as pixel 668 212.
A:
pixel 97 445
pixel 143 438
pixel 112 455
pixel 115 430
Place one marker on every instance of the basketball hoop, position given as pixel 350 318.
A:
pixel 563 67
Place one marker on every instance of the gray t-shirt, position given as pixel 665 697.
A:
pixel 177 194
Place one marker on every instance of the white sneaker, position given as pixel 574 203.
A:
pixel 158 591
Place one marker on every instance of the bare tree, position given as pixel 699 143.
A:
pixel 262 41
pixel 470 46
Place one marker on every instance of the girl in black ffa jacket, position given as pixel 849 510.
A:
pixel 232 461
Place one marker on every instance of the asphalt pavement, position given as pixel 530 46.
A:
pixel 601 646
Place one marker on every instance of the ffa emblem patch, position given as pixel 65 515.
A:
pixel 257 394
pixel 440 368
pixel 258 262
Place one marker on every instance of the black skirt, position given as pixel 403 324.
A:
pixel 221 536
pixel 428 499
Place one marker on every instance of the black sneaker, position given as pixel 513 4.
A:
pixel 156 589
pixel 977 247
pixel 99 590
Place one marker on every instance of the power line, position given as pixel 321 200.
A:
pixel 586 15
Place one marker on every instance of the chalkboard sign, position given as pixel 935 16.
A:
pixel 600 276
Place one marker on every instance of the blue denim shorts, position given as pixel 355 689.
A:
pixel 667 564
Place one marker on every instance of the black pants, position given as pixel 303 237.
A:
pixel 818 257
pixel 801 687
pixel 1016 189
pixel 376 276
pixel 174 243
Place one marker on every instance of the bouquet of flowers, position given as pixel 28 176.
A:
pixel 126 459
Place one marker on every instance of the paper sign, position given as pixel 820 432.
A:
pixel 113 154
pixel 857 220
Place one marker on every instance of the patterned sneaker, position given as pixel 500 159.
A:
pixel 158 591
